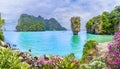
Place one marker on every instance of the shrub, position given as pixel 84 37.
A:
pixel 10 60
pixel 97 63
pixel 56 62
pixel 113 57
pixel 89 46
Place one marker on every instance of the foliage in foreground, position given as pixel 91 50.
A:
pixel 97 63
pixel 10 60
pixel 113 57
pixel 56 62
pixel 89 46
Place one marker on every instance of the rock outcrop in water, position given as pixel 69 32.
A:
pixel 75 25
pixel 106 23
pixel 31 23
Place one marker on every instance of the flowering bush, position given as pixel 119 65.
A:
pixel 113 57
pixel 57 62
pixel 98 63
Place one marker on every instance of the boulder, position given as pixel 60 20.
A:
pixel 93 53
pixel 46 57
pixel 36 58
pixel 7 46
pixel 17 49
pixel 22 54
pixel 2 43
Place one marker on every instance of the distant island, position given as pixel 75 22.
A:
pixel 106 23
pixel 31 23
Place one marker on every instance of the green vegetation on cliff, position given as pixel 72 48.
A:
pixel 1 24
pixel 88 47
pixel 31 23
pixel 106 23
pixel 75 25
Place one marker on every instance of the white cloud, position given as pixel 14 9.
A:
pixel 62 10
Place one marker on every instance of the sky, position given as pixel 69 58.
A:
pixel 62 10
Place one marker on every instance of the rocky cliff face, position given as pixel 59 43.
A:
pixel 95 27
pixel 106 23
pixel 53 24
pixel 75 25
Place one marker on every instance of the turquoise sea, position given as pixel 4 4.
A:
pixel 52 42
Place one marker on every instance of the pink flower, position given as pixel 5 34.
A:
pixel 50 62
pixel 42 61
pixel 113 57
pixel 57 58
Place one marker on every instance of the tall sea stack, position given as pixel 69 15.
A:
pixel 75 25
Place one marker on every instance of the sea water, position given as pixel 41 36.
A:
pixel 52 42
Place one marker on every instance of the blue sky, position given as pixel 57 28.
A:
pixel 62 10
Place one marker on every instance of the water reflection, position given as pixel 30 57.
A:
pixel 75 41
